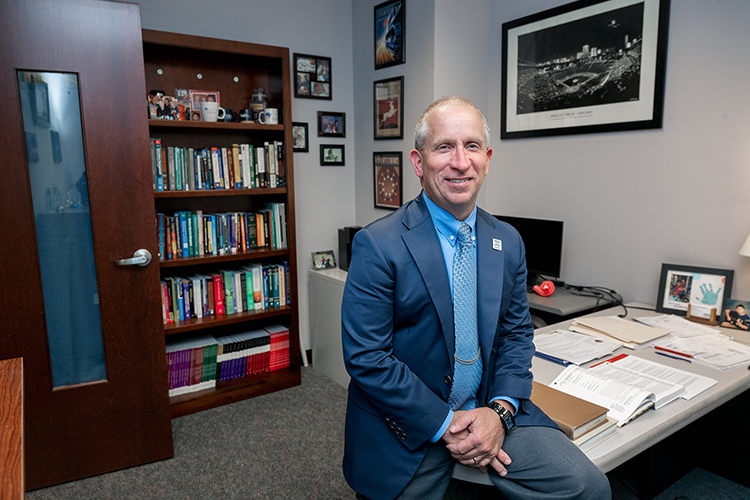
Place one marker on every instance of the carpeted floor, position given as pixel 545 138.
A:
pixel 288 445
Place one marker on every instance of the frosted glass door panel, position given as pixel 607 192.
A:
pixel 57 172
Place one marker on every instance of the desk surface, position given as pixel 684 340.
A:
pixel 564 302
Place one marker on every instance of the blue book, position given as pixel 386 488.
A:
pixel 181 217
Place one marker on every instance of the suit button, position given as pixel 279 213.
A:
pixel 448 380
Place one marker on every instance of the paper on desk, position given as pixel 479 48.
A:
pixel 621 329
pixel 573 347
pixel 693 384
pixel 624 402
pixel 706 345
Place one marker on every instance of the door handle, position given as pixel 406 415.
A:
pixel 141 258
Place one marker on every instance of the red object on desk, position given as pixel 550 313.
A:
pixel 545 289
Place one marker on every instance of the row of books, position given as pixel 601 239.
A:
pixel 228 291
pixel 239 166
pixel 199 363
pixel 195 234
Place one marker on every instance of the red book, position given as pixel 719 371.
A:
pixel 218 293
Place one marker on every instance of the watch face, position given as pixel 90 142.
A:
pixel 388 187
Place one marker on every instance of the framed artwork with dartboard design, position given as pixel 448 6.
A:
pixel 388 173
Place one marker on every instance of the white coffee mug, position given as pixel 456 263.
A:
pixel 270 116
pixel 211 112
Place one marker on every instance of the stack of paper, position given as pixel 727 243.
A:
pixel 630 333
pixel 572 347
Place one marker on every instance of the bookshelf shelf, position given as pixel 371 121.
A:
pixel 232 69
pixel 193 324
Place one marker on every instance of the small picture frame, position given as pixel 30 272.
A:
pixel 388 100
pixel 323 260
pixel 388 179
pixel 694 292
pixel 332 155
pixel 390 30
pixel 735 314
pixel 312 77
pixel 331 124
pixel 196 97
pixel 300 137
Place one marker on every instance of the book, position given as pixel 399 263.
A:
pixel 575 416
pixel 623 401
pixel 596 435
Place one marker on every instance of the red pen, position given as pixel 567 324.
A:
pixel 673 351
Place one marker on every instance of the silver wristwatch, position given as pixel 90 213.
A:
pixel 506 417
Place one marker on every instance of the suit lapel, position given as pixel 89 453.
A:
pixel 424 247
pixel 491 266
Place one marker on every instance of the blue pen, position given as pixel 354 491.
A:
pixel 673 357
pixel 552 358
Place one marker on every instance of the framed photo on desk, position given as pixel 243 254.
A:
pixel 701 288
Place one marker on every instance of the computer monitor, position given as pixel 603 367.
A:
pixel 543 240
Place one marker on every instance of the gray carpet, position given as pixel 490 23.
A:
pixel 288 445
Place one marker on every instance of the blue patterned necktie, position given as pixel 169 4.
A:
pixel 467 364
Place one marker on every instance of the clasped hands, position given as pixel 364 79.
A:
pixel 475 438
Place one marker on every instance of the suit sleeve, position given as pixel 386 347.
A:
pixel 377 346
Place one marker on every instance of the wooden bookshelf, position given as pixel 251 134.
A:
pixel 175 61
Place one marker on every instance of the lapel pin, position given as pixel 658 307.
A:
pixel 497 244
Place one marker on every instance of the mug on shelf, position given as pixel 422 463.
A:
pixel 270 116
pixel 211 111
pixel 229 115
pixel 246 115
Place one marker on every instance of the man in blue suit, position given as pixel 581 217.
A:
pixel 404 428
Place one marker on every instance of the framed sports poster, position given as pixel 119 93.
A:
pixel 389 34
pixel 389 108
pixel 584 67
pixel 388 174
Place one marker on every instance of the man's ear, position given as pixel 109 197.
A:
pixel 416 160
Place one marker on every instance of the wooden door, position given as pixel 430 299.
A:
pixel 117 415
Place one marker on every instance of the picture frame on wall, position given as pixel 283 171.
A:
pixel 388 179
pixel 388 100
pixel 390 30
pixel 332 155
pixel 331 124
pixel 585 67
pixel 699 289
pixel 300 137
pixel 312 77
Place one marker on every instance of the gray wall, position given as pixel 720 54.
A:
pixel 631 200
pixel 324 195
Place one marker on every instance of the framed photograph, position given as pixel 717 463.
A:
pixel 332 155
pixel 388 176
pixel 196 97
pixel 735 314
pixel 702 288
pixel 312 77
pixel 300 138
pixel 389 108
pixel 584 67
pixel 331 124
pixel 390 27
pixel 40 104
pixel 324 260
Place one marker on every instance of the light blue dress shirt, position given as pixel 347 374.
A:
pixel 447 228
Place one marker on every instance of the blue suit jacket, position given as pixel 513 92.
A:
pixel 398 341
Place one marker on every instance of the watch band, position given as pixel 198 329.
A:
pixel 506 417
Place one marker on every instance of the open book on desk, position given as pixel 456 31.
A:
pixel 624 402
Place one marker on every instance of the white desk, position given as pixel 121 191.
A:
pixel 326 290
pixel 654 425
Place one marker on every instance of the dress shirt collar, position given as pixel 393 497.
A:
pixel 446 224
